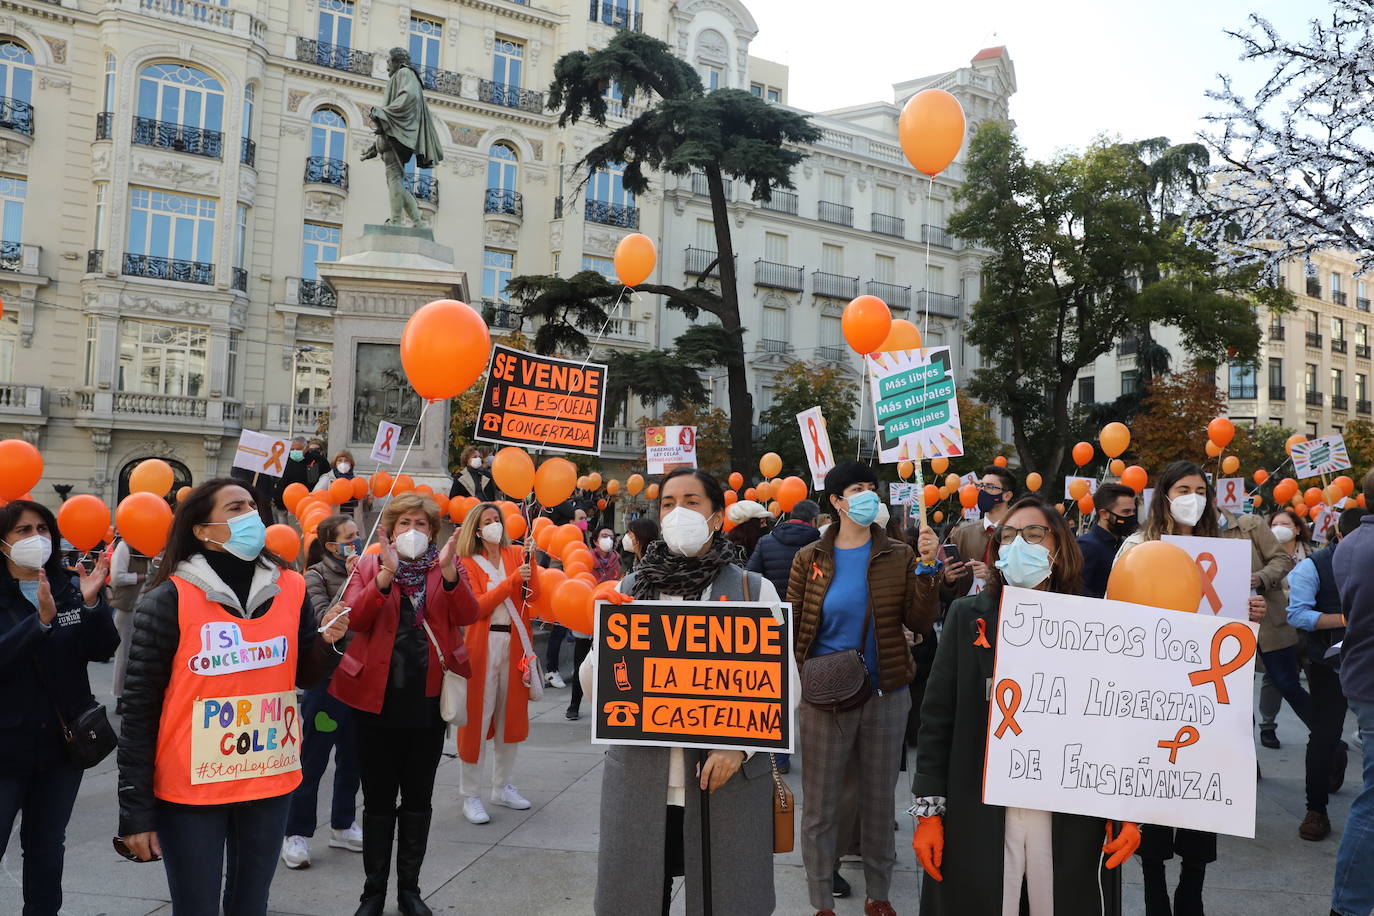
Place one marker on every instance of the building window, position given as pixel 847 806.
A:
pixel 713 77
pixel 832 259
pixel 756 90
pixel 156 358
pixel 884 268
pixel 774 247
pixel 172 226
pixel 110 72
pixel 231 364
pixel 1337 383
pixel 13 192
pixel 1337 329
pixel 177 94
pixel 248 92
pixel 92 347
pixel 1335 282
pixel 832 187
pixel 1361 387
pixel 1087 390
pixel 1244 382
pixel 336 23
pixel 328 133
pixel 507 61
pixel 775 335
pixel 240 235
pixel 1361 335
pixel 16 71
pixel 1309 378
pixel 1313 322
pixel 774 95
pixel 503 166
pixel 603 266
pixel 832 333
pixel 497 267
pixel 102 204
pixel 1130 382
pixel 425 37
pixel 314 376
pixel 319 242
pixel 607 186
pixel 1275 375
pixel 885 200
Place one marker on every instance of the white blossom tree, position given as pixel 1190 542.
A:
pixel 1293 166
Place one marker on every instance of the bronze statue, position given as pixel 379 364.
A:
pixel 404 128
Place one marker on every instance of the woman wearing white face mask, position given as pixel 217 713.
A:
pixel 1185 504
pixel 1295 538
pixel 224 619
pixel 52 625
pixel 650 830
pixel 344 468
pixel 995 852
pixel 639 534
pixel 407 606
pixel 505 583
pixel 472 478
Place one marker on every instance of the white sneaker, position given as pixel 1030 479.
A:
pixel 555 680
pixel 295 852
pixel 474 811
pixel 350 838
pixel 510 798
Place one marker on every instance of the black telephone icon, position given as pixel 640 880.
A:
pixel 621 713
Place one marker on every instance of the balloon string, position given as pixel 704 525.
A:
pixel 925 281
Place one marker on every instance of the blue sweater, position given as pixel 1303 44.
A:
pixel 1354 568
pixel 846 607
pixel 1099 552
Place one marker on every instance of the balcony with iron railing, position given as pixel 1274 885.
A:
pixel 1314 287
pixel 312 292
pixel 832 354
pixel 326 171
pixel 507 96
pixel 1314 398
pixel 16 115
pixel 104 125
pixel 95 261
pixel 424 187
pixel 1278 393
pixel 1362 407
pixel 834 286
pixel 183 138
pixel 1338 296
pixel 702 185
pixel 1340 402
pixel 883 224
pixel 1362 303
pixel 238 279
pixel 616 15
pixel 248 153
pixel 781 202
pixel 779 347
pixel 1247 391
pixel 501 315
pixel 897 297
pixel 778 276
pixel 335 57
pixel 443 81
pixel 1362 351
pixel 1338 345
pixel 503 202
pixel 830 212
pixel 697 260
pixel 941 304
pixel 626 216
pixel 1314 339
pixel 175 269
pixel 937 236
pixel 1276 332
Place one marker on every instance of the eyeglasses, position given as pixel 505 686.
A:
pixel 1033 534
pixel 992 488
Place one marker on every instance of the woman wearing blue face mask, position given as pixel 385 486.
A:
pixel 328 722
pixel 210 747
pixel 993 854
pixel 855 593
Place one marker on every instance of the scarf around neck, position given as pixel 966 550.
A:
pixel 410 575
pixel 662 572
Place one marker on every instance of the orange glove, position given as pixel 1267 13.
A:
pixel 1125 844
pixel 929 844
pixel 619 598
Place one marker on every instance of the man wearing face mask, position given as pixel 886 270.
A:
pixel 973 538
pixel 1116 520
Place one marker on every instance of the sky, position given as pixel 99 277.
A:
pixel 1128 68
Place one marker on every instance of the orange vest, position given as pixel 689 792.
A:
pixel 230 728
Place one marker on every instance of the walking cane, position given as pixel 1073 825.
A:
pixel 706 852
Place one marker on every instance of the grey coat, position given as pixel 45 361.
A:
pixel 634 811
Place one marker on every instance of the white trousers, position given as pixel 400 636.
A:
pixel 1027 851
pixel 496 686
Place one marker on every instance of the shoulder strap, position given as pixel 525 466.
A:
pixel 437 648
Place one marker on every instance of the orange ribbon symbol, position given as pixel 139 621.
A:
pixel 1231 498
pixel 290 736
pixel 1207 565
pixel 1007 687
pixel 816 441
pixel 278 449
pixel 386 443
pixel 982 639
pixel 816 572
pixel 1186 735
pixel 1218 671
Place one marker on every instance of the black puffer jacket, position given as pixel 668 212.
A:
pixel 154 643
pixel 774 553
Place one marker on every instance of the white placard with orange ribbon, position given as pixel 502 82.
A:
pixel 245 737
pixel 1231 493
pixel 1068 485
pixel 387 441
pixel 1225 567
pixel 1120 711
pixel 816 442
pixel 261 454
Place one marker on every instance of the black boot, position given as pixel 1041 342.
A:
pixel 411 841
pixel 378 830
pixel 1156 888
pixel 1188 895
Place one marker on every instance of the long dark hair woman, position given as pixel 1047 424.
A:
pixel 650 796
pixel 52 625
pixel 210 751
pixel 1055 856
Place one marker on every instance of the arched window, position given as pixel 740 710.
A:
pixel 503 167
pixel 328 132
pixel 177 94
pixel 16 71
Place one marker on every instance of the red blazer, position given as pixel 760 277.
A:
pixel 360 680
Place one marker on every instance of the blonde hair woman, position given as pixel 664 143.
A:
pixel 504 582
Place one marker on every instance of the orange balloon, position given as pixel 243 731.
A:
pixel 1085 505
pixel 425 489
pixel 1360 502
pixel 931 494
pixel 751 493
pixel 791 491
pixel 1301 510
pixel 284 542
pixel 1230 464
pixel 1292 441
pixel 729 525
pixel 1260 476
pixel 1082 454
pixel 903 336
pixel 968 496
pixel 770 465
pixel 865 322
pixel 1221 431
pixel 549 580
pixel 939 465
pixel 152 475
pixel 403 484
pixel 441 501
pixel 1213 450
pixel 775 508
pixel 144 521
pixel 460 506
pixel 576 568
pixel 904 470
pixel 1114 439
pixel 651 491
pixel 183 493
pixel 543 537
pixel 542 523
pixel 736 480
pixel 731 497
pixel 83 520
pixel 554 481
pixel 359 487
pixel 601 504
pixel 634 262
pixel 381 484
pixel 944 492
pixel 1285 490
pixel 372 549
pixel 1033 481
pixel 516 526
pixel 593 481
pixel 21 467
pixel 1116 466
pixel 1345 483
pixel 1000 461
pixel 508 508
pixel 612 487
pixel 931 130
pixel 290 496
pixel 1156 574
pixel 340 490
pixel 938 516
pixel 1256 500
pixel 952 482
pixel 562 537
pixel 1135 478
pixel 445 347
pixel 513 471
pixel 572 606
pixel 1078 488
pixel 1312 496
pixel 634 484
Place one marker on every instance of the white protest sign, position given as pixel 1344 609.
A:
pixel 970 479
pixel 816 442
pixel 1231 493
pixel 261 454
pixel 1225 567
pixel 669 447
pixel 902 494
pixel 1123 712
pixel 1146 497
pixel 1320 456
pixel 914 406
pixel 1068 483
pixel 973 513
pixel 387 441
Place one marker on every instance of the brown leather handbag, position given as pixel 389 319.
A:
pixel 784 810
pixel 838 681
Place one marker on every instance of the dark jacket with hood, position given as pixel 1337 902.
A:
pixel 774 553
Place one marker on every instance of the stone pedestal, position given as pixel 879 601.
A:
pixel 380 280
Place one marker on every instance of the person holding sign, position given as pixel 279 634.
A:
pixel 505 584
pixel 980 856
pixel 650 796
pixel 210 751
